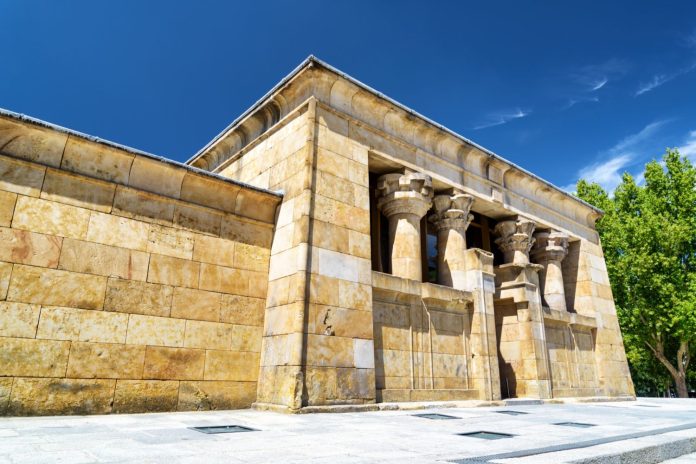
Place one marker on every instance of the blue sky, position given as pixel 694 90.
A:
pixel 564 89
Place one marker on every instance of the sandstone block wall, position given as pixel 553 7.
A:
pixel 126 284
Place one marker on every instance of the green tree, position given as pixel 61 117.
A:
pixel 648 234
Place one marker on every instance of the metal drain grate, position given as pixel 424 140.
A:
pixel 579 425
pixel 512 413
pixel 435 416
pixel 486 435
pixel 223 429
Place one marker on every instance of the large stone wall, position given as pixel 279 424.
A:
pixel 127 284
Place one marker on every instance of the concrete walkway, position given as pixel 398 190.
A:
pixel 651 429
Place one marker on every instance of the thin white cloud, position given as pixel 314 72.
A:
pixel 599 84
pixel 619 158
pixel 574 101
pixel 688 149
pixel 503 117
pixel 661 79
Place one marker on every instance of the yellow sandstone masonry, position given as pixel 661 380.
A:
pixel 56 288
pixel 129 283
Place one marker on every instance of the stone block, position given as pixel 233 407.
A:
pixel 18 319
pixel 242 310
pixel 7 206
pixel 329 351
pixel 252 257
pixel 231 365
pixel 246 338
pixel 156 177
pixel 100 161
pixel 60 396
pixel 21 177
pixel 199 305
pixel 56 288
pixel 82 325
pixel 150 330
pixel 282 350
pixel 356 383
pixel 83 192
pixel 239 230
pixel 322 385
pixel 324 290
pixel 354 295
pixel 364 354
pixel 133 396
pixel 5 390
pixel 214 250
pixel 329 320
pixel 118 231
pixel 105 361
pixel 208 335
pixel 143 206
pixel 173 363
pixel 33 358
pixel 5 274
pixel 51 218
pixel 24 247
pixel 224 279
pixel 173 271
pixel 127 296
pixel 105 260
pixel 216 395
pixel 287 319
pixel 205 191
pixel 197 219
pixel 341 266
pixel 170 242
pixel 359 244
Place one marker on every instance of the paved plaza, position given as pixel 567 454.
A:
pixel 648 428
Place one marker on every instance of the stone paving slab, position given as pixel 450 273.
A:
pixel 359 437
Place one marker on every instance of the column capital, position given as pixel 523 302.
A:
pixel 550 245
pixel 452 211
pixel 515 239
pixel 409 193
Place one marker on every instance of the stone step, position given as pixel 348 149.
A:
pixel 401 395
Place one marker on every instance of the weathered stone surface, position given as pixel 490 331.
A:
pixel 5 390
pixel 143 206
pixel 231 365
pixel 173 363
pixel 103 163
pixel 208 335
pixel 64 187
pixel 24 247
pixel 238 230
pixel 173 271
pixel 212 395
pixel 5 273
pixel 33 358
pixel 171 242
pixel 150 330
pixel 242 310
pixel 214 250
pixel 329 351
pixel 18 319
pixel 7 206
pixel 154 176
pixel 21 177
pixel 246 338
pixel 200 305
pixel 105 361
pixel 145 396
pixel 224 279
pixel 82 325
pixel 127 296
pixel 60 396
pixel 118 231
pixel 52 218
pixel 198 219
pixel 93 258
pixel 56 288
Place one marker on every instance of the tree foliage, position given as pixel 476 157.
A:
pixel 648 234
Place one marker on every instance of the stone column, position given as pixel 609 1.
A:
pixel 451 218
pixel 515 240
pixel 404 199
pixel 549 250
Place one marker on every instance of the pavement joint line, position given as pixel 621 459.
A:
pixel 571 446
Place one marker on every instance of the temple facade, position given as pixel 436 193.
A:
pixel 331 249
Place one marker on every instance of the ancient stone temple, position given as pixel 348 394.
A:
pixel 330 249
